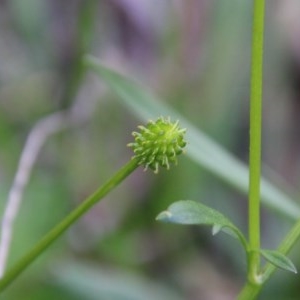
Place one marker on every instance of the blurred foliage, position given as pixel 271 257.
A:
pixel 195 55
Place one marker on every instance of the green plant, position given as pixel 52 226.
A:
pixel 216 160
pixel 190 212
pixel 207 154
pixel 157 144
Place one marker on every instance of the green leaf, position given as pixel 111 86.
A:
pixel 203 150
pixel 194 213
pixel 279 260
pixel 191 212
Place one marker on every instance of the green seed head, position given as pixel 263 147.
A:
pixel 158 144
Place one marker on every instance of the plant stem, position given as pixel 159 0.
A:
pixel 250 291
pixel 59 229
pixel 255 139
pixel 253 286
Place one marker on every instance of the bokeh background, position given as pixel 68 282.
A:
pixel 195 55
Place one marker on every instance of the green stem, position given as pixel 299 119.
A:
pixel 255 282
pixel 250 291
pixel 59 229
pixel 255 139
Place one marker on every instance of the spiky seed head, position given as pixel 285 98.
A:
pixel 158 143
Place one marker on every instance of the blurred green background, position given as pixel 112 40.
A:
pixel 196 56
